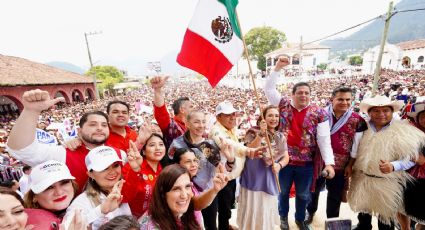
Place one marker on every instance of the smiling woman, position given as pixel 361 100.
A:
pixel 52 189
pixel 172 206
pixel 12 214
pixel 142 185
pixel 101 200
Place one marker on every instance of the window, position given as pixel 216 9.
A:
pixel 269 61
pixel 420 59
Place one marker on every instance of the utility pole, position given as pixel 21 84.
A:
pixel 381 50
pixel 91 62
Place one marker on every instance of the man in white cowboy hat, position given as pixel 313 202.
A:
pixel 383 153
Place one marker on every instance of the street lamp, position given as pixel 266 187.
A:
pixel 91 63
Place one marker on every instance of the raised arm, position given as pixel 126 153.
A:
pixel 22 143
pixel 23 132
pixel 270 87
pixel 160 110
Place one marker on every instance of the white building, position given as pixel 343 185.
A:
pixel 242 68
pixel 300 59
pixel 404 55
pixel 413 54
pixel 390 58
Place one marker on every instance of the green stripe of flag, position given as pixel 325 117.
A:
pixel 231 10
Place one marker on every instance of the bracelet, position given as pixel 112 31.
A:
pixel 230 164
pixel 281 166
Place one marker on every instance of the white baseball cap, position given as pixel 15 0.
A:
pixel 45 174
pixel 100 158
pixel 225 107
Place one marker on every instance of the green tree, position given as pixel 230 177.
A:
pixel 109 75
pixel 356 60
pixel 262 40
pixel 322 66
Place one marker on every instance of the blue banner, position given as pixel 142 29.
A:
pixel 45 137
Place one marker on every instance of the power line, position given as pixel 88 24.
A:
pixel 357 40
pixel 372 19
pixel 342 31
pixel 412 10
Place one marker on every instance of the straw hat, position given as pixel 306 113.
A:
pixel 379 100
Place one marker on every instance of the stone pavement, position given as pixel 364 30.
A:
pixel 319 218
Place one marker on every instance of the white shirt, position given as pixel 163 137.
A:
pixel 91 213
pixel 37 153
pixel 323 135
pixel 23 184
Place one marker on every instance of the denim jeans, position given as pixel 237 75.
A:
pixel 335 187
pixel 222 205
pixel 302 177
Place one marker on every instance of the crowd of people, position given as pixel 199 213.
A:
pixel 171 154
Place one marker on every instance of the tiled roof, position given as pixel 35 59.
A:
pixel 16 71
pixel 409 45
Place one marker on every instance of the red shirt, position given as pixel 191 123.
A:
pixel 75 160
pixel 163 118
pixel 139 187
pixel 296 131
pixel 117 141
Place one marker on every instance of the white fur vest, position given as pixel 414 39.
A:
pixel 372 191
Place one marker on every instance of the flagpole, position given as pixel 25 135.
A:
pixel 257 97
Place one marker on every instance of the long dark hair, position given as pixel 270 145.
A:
pixel 147 140
pixel 179 152
pixel 158 209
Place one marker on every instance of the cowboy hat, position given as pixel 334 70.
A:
pixel 416 109
pixel 379 100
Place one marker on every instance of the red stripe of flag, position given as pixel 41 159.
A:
pixel 203 57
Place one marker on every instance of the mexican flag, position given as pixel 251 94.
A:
pixel 212 43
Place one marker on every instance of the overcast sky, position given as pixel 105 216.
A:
pixel 137 31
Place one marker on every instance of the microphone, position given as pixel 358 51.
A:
pixel 324 173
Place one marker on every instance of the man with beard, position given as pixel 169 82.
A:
pixel 120 133
pixel 22 144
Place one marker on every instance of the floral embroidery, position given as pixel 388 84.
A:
pixel 315 115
